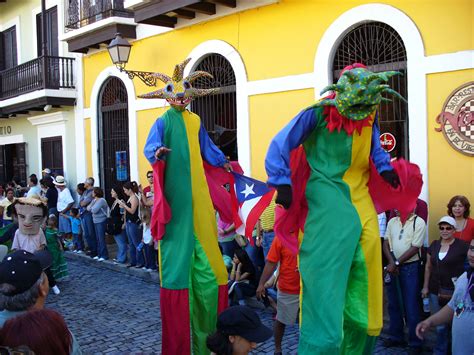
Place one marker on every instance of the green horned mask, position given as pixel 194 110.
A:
pixel 359 92
pixel 179 91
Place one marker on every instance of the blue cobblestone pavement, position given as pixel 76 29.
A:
pixel 114 310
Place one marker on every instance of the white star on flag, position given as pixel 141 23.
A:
pixel 248 190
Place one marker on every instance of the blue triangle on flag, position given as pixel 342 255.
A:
pixel 247 188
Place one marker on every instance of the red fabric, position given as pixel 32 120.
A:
pixel 216 178
pixel 289 222
pixel 404 197
pixel 223 298
pixel 288 275
pixel 337 122
pixel 161 210
pixel 353 66
pixel 175 322
pixel 467 234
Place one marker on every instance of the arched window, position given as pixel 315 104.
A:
pixel 218 112
pixel 114 156
pixel 380 48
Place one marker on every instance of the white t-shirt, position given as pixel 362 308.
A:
pixel 34 190
pixel 64 199
pixel 5 203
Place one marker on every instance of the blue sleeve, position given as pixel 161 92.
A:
pixel 154 140
pixel 277 161
pixel 379 156
pixel 209 151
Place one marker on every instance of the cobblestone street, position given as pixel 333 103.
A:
pixel 113 312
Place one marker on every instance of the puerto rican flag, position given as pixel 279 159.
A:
pixel 249 199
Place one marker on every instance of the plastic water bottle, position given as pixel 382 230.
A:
pixel 426 305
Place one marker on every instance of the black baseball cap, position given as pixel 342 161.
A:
pixel 22 269
pixel 244 322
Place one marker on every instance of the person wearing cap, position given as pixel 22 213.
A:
pixel 444 263
pixel 239 330
pixel 24 286
pixel 86 217
pixel 403 240
pixel 65 202
pixel 23 283
pixel 459 312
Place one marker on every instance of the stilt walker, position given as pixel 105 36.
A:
pixel 192 273
pixel 339 256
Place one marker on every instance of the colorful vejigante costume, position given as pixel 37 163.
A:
pixel 340 255
pixel 192 273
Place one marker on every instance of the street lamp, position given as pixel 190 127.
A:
pixel 119 51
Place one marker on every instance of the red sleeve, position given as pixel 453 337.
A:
pixel 274 254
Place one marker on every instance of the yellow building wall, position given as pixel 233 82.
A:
pixel 282 39
pixel 450 172
pixel 269 114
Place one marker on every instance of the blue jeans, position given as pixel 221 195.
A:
pixel 134 238
pixel 267 242
pixel 121 240
pixel 100 236
pixel 151 256
pixel 77 241
pixel 89 232
pixel 242 290
pixel 256 255
pixel 406 286
pixel 442 331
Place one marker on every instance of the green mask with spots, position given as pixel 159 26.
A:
pixel 359 92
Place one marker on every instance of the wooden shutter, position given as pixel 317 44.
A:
pixel 9 48
pixel 19 168
pixel 2 164
pixel 2 53
pixel 52 41
pixel 52 154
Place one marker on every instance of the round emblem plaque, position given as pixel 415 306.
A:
pixel 457 119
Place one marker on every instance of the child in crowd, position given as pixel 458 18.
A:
pixel 59 266
pixel 147 240
pixel 75 220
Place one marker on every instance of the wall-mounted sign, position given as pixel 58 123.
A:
pixel 4 130
pixel 457 119
pixel 121 165
pixel 388 141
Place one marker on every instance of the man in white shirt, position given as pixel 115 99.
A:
pixel 401 247
pixel 65 202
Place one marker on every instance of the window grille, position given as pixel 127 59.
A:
pixel 218 112
pixel 380 48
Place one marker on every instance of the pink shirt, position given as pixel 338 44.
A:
pixel 30 243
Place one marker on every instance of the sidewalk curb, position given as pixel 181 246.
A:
pixel 152 277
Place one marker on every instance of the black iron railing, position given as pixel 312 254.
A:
pixel 40 73
pixel 80 13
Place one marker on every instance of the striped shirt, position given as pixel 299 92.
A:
pixel 267 219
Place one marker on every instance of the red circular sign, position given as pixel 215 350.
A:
pixel 388 141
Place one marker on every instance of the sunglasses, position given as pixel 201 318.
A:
pixel 149 176
pixel 445 228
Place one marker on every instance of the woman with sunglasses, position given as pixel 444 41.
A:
pixel 460 310
pixel 444 264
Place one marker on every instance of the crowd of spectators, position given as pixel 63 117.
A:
pixel 420 279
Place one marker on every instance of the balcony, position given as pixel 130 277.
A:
pixel 32 85
pixel 90 23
